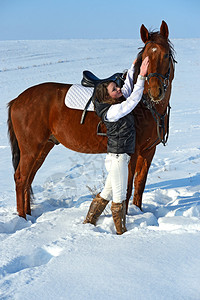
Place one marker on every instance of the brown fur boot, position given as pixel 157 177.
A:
pixel 96 208
pixel 119 216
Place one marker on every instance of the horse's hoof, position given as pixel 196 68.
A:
pixel 139 206
pixel 22 216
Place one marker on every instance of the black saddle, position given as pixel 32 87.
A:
pixel 91 80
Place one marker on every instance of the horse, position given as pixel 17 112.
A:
pixel 38 119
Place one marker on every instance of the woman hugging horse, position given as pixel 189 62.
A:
pixel 117 115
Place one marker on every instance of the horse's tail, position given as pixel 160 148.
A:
pixel 13 140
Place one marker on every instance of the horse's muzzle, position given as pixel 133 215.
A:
pixel 156 94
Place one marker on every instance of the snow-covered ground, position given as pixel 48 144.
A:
pixel 53 255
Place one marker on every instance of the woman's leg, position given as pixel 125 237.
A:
pixel 106 193
pixel 119 176
pixel 101 200
pixel 119 180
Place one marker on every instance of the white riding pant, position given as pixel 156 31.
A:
pixel 117 180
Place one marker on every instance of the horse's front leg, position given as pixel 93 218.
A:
pixel 131 172
pixel 141 170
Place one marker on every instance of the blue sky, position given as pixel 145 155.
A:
pixel 63 19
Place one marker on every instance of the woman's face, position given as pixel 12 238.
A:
pixel 114 91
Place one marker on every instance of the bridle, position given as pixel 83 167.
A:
pixel 162 130
pixel 164 79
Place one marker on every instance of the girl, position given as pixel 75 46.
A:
pixel 114 106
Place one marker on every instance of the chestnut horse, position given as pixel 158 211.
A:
pixel 38 118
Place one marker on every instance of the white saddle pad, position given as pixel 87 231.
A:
pixel 78 96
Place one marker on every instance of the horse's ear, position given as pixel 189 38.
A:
pixel 144 33
pixel 164 30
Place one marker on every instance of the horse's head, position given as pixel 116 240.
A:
pixel 160 52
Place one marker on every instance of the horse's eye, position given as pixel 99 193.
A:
pixel 166 55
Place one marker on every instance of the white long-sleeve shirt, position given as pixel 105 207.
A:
pixel 132 95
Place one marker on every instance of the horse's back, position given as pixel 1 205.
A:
pixel 44 89
pixel 38 98
pixel 30 113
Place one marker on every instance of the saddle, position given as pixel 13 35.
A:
pixel 91 80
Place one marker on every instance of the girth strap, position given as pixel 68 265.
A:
pixel 86 108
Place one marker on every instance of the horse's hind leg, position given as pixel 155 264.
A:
pixel 21 181
pixel 19 193
pixel 37 164
pixel 29 163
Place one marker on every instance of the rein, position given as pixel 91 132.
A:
pixel 162 131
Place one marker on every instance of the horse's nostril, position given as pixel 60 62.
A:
pixel 160 92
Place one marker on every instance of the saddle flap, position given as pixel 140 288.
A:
pixel 78 96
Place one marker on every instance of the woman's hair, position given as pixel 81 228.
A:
pixel 101 94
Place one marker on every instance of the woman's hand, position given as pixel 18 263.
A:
pixel 144 66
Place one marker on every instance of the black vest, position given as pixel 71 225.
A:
pixel 121 134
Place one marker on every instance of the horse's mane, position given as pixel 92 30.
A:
pixel 158 39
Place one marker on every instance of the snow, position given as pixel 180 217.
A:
pixel 53 255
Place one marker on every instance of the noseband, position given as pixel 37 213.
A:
pixel 164 80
